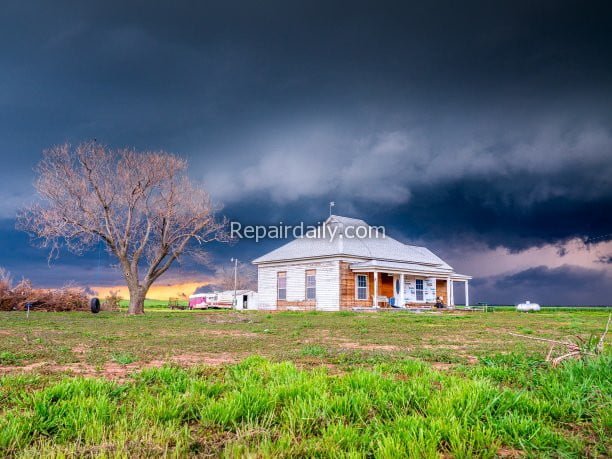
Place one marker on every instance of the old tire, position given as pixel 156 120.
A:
pixel 94 305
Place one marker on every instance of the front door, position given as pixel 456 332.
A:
pixel 399 301
pixel 419 290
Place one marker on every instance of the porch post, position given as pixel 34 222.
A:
pixel 448 292
pixel 375 299
pixel 452 293
pixel 402 303
pixel 467 296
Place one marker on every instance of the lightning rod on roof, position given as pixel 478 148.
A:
pixel 331 204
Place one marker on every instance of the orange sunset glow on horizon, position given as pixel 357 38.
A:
pixel 157 292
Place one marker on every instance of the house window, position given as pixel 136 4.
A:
pixel 362 287
pixel 311 284
pixel 281 285
pixel 419 289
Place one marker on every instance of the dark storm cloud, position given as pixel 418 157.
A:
pixel 496 210
pixel 23 259
pixel 511 194
pixel 565 285
pixel 450 123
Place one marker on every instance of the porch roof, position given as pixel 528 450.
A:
pixel 400 267
pixel 460 277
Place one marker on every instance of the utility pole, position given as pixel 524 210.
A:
pixel 235 261
pixel 331 204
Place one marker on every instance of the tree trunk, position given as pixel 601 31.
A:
pixel 137 297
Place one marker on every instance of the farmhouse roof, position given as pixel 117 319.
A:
pixel 340 240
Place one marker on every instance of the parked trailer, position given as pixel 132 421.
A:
pixel 201 300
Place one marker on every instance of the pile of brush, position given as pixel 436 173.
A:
pixel 112 301
pixel 17 298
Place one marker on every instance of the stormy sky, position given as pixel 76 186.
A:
pixel 482 130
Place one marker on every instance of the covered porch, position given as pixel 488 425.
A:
pixel 406 285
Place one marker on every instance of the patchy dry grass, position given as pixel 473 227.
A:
pixel 322 384
pixel 82 338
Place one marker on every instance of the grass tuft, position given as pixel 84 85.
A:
pixel 123 358
pixel 9 358
pixel 313 351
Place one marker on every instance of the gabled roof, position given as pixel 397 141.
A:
pixel 377 246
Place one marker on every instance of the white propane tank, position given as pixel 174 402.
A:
pixel 527 306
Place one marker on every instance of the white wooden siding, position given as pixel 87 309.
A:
pixel 327 283
pixel 410 289
pixel 266 287
pixel 328 286
pixel 429 289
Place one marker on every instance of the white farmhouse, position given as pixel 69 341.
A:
pixel 351 264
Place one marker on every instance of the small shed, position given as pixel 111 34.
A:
pixel 245 299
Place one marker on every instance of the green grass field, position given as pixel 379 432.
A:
pixel 224 383
pixel 153 304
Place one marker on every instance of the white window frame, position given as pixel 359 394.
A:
pixel 310 273
pixel 367 287
pixel 278 289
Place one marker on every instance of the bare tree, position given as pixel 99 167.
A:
pixel 141 205
pixel 246 278
pixel 6 285
pixel 6 279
